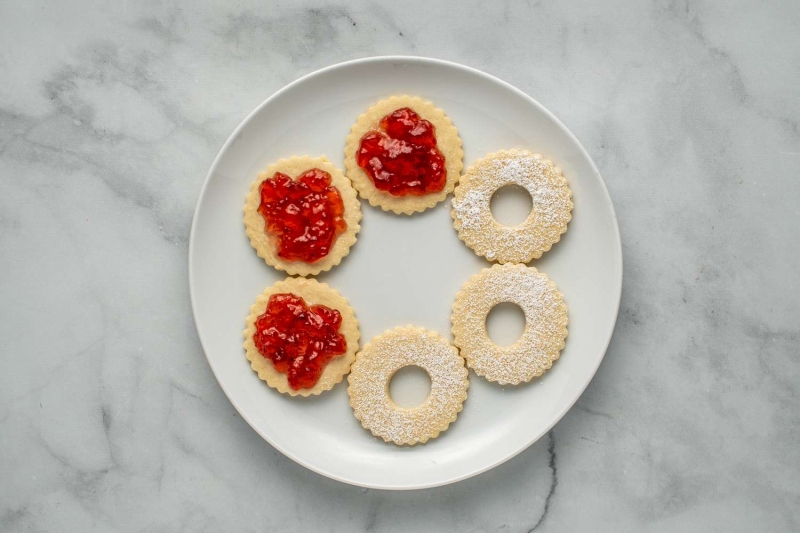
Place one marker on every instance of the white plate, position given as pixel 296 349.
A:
pixel 403 270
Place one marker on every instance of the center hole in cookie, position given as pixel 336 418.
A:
pixel 410 386
pixel 505 323
pixel 511 205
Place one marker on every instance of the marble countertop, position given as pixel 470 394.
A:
pixel 110 115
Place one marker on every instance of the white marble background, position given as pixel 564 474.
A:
pixel 110 115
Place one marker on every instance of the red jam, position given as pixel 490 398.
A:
pixel 299 340
pixel 403 158
pixel 306 215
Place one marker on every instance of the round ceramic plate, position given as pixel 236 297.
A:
pixel 403 270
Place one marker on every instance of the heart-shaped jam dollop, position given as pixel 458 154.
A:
pixel 403 159
pixel 298 339
pixel 305 215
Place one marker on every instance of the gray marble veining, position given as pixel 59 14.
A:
pixel 110 115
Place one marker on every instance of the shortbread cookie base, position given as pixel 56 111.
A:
pixel 265 244
pixel 314 293
pixel 550 213
pixel 377 362
pixel 545 323
pixel 447 140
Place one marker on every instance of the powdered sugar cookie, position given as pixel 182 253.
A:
pixel 301 337
pixel 302 215
pixel 377 362
pixel 547 221
pixel 403 155
pixel 545 323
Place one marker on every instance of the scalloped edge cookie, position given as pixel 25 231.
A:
pixel 545 331
pixel 264 243
pixel 447 140
pixel 550 214
pixel 314 293
pixel 377 362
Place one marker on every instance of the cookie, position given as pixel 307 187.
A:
pixel 551 210
pixel 545 323
pixel 288 201
pixel 404 155
pixel 377 362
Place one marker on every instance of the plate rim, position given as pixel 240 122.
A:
pixel 617 251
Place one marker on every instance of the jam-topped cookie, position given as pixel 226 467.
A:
pixel 301 337
pixel 404 155
pixel 302 215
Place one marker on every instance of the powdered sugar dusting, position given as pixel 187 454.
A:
pixel 550 214
pixel 545 328
pixel 381 358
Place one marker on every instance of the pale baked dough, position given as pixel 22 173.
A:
pixel 265 243
pixel 551 210
pixel 447 140
pixel 377 362
pixel 314 293
pixel 545 323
